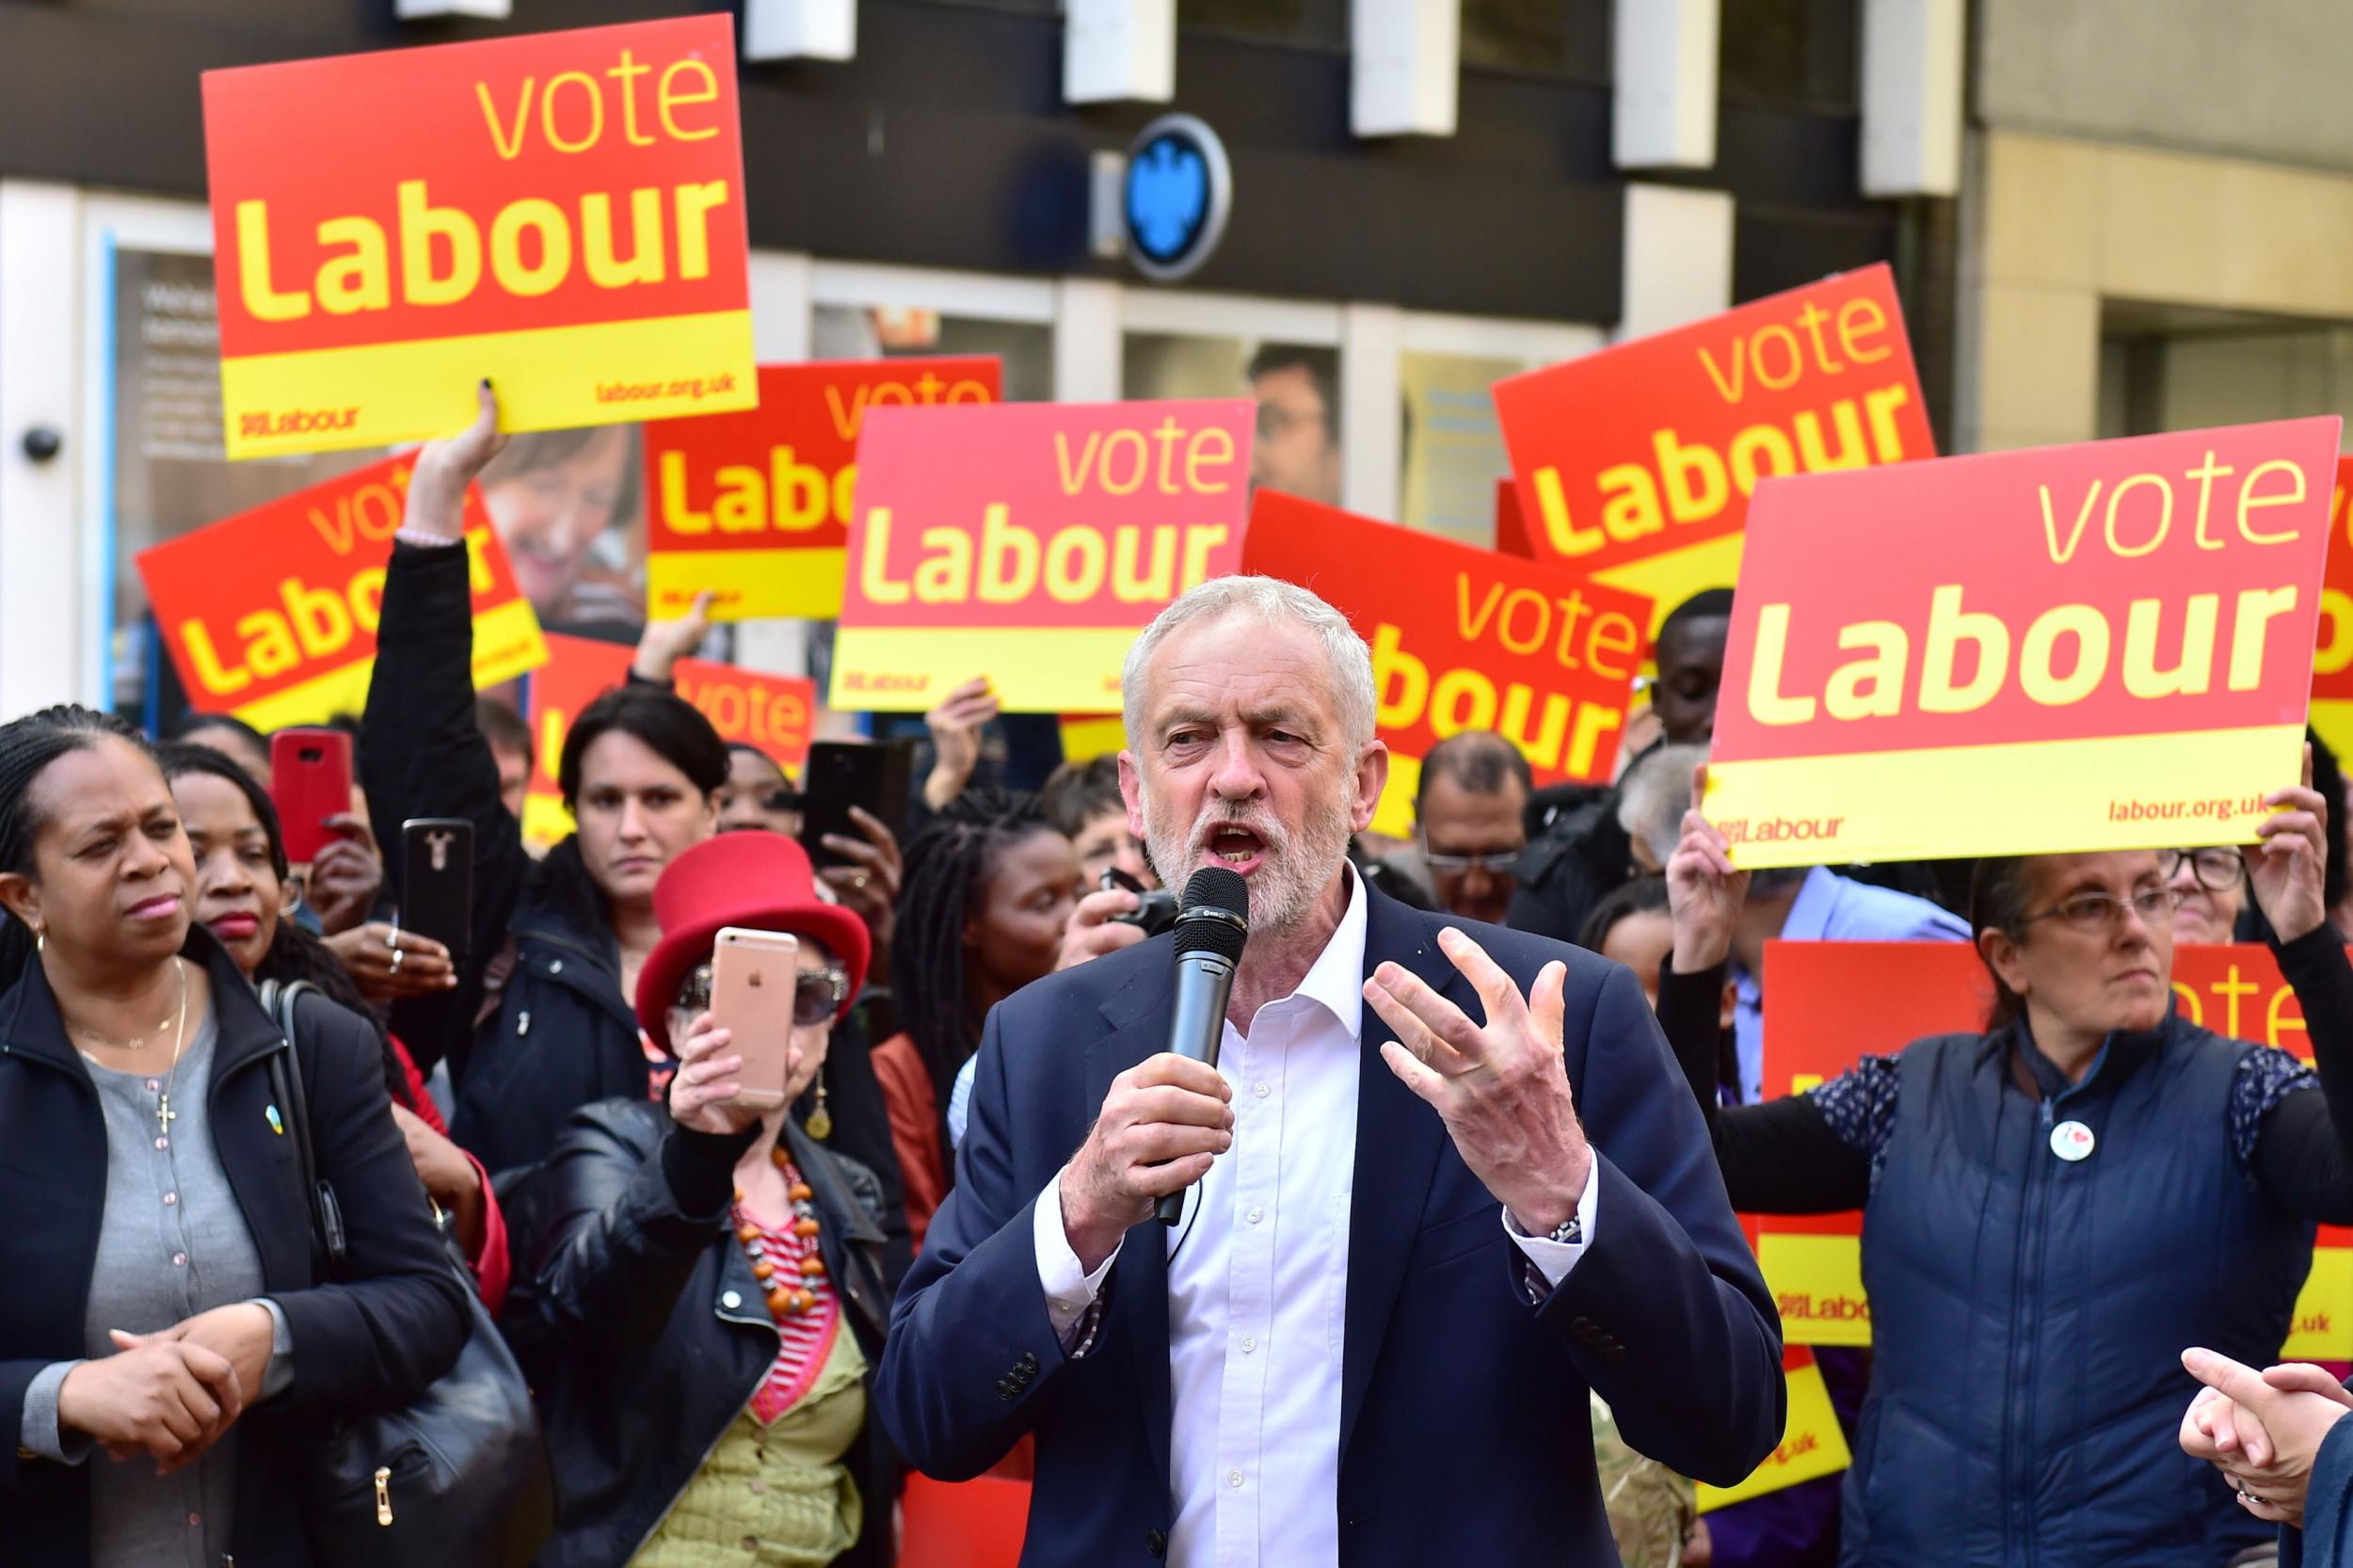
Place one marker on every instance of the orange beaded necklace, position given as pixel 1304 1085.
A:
pixel 788 1283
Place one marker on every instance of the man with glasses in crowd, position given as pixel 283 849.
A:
pixel 1298 449
pixel 1470 809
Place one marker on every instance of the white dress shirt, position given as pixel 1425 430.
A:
pixel 1257 1279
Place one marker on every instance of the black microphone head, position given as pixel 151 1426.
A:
pixel 1215 915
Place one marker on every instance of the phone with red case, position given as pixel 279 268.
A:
pixel 310 780
pixel 752 974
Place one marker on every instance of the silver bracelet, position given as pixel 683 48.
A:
pixel 404 534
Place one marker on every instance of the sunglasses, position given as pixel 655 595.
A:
pixel 817 994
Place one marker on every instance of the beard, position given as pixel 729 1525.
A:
pixel 1293 870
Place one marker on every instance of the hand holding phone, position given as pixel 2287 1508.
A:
pixel 436 879
pixel 310 780
pixel 753 977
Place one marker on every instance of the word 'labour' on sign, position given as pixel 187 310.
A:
pixel 1464 639
pixel 774 713
pixel 2333 656
pixel 1834 1002
pixel 1028 542
pixel 754 507
pixel 561 213
pixel 1635 465
pixel 271 615
pixel 2106 646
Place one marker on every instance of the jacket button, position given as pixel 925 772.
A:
pixel 1028 1359
pixel 1156 1542
pixel 731 1301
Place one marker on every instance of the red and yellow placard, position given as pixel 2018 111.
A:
pixel 271 615
pixel 754 507
pixel 1510 527
pixel 1028 542
pixel 1635 465
pixel 1812 1443
pixel 775 712
pixel 1463 639
pixel 562 212
pixel 1853 998
pixel 2332 657
pixel 2097 647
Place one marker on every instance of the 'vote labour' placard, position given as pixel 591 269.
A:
pixel 754 507
pixel 2106 646
pixel 1464 639
pixel 1635 465
pixel 562 212
pixel 1028 542
pixel 271 615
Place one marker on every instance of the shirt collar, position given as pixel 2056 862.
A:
pixel 1809 912
pixel 1336 980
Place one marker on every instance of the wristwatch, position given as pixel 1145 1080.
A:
pixel 1569 1232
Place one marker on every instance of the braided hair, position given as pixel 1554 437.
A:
pixel 294 954
pixel 28 746
pixel 947 863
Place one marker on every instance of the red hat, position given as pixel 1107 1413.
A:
pixel 760 880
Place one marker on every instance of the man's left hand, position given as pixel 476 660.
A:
pixel 1502 1089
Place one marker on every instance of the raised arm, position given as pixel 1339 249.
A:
pixel 420 751
pixel 1788 1155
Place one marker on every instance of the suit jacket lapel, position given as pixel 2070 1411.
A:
pixel 1397 1140
pixel 1138 1283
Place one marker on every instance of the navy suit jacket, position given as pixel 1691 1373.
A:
pixel 1465 1434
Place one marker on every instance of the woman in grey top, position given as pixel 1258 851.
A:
pixel 169 1347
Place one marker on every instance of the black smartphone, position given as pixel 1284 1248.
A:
pixel 870 775
pixel 436 879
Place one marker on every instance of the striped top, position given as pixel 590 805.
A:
pixel 804 1339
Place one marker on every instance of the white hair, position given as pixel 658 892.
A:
pixel 1274 604
pixel 1654 793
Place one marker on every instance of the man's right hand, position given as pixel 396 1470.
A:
pixel 1162 1123
pixel 1704 892
pixel 168 1398
pixel 1092 932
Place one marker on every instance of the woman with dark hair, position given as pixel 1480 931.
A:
pixel 242 893
pixel 164 1300
pixel 540 1023
pixel 708 1298
pixel 2053 1209
pixel 989 886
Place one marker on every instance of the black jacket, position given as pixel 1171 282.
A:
pixel 646 1335
pixel 376 1338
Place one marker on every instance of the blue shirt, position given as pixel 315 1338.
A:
pixel 1833 909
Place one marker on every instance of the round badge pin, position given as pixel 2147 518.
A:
pixel 2072 1141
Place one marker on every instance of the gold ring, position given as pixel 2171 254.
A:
pixel 857 879
pixel 397 956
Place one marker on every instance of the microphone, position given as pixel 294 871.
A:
pixel 1212 926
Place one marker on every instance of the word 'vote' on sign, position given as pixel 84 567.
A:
pixel 1463 639
pixel 2105 645
pixel 1833 1002
pixel 774 713
pixel 1028 542
pixel 1635 465
pixel 754 507
pixel 271 615
pixel 561 213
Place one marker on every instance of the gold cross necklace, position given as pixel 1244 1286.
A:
pixel 165 1115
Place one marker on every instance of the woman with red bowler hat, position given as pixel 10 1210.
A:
pixel 706 1299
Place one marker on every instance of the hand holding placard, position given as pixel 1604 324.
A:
pixel 444 469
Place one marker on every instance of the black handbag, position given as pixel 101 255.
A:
pixel 456 1480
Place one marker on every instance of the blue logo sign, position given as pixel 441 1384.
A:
pixel 1175 200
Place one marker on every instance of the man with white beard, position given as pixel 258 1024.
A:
pixel 1450 1178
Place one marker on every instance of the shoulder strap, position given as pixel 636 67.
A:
pixel 495 974
pixel 285 1075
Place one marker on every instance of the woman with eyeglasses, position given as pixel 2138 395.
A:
pixel 707 1300
pixel 2054 1208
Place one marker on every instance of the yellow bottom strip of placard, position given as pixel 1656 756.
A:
pixel 2331 719
pixel 1086 739
pixel 547 377
pixel 1811 1445
pixel 506 643
pixel 1034 669
pixel 2030 797
pixel 2322 1329
pixel 747 585
pixel 546 822
pixel 1817 1282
